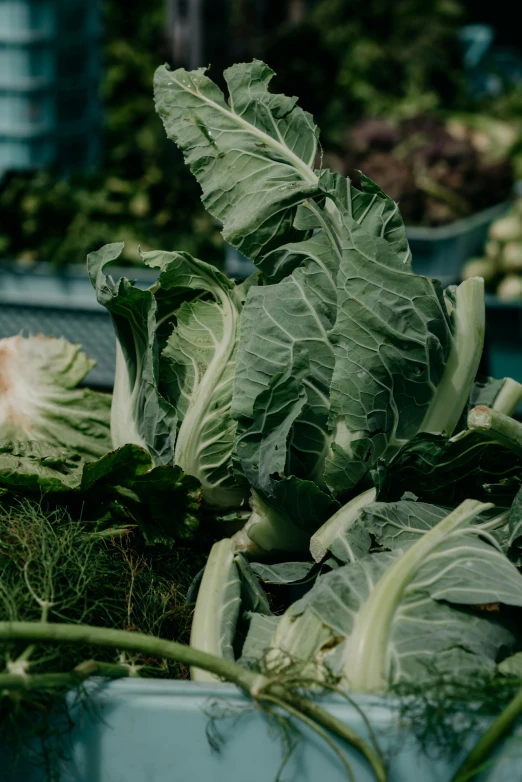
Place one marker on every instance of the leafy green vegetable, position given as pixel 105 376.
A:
pixel 175 366
pixel 345 354
pixel 120 488
pixel 393 616
pixel 40 400
pixel 486 458
pixel 214 624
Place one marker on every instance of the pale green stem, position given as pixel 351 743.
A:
pixel 508 398
pixel 498 427
pixel 337 524
pixel 54 681
pixel 219 578
pixel 365 659
pixel 463 361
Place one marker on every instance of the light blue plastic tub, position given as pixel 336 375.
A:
pixel 156 731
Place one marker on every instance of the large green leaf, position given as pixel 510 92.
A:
pixel 263 451
pixel 122 487
pixel 468 465
pixel 253 155
pixel 198 367
pixel 395 616
pixel 40 400
pixel 177 363
pixel 140 413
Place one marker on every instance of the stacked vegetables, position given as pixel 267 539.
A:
pixel 501 267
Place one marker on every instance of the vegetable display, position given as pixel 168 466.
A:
pixel 438 170
pixel 319 429
pixel 501 267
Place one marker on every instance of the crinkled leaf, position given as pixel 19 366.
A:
pixel 418 622
pixel 429 465
pixel 40 400
pixel 197 368
pixel 253 155
pixel 262 450
pixel 120 487
pixel 175 372
pixel 259 636
pixel 515 518
pixel 140 414
pixel 28 466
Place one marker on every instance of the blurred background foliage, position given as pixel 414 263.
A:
pixel 141 193
pixel 349 61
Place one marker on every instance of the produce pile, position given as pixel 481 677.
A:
pixel 437 170
pixel 501 267
pixel 322 422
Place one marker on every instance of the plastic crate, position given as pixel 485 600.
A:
pixel 137 730
pixel 439 253
pixel 42 301
pixel 504 338
pixel 49 78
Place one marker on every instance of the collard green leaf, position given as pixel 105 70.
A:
pixel 140 414
pixel 263 449
pixel 176 366
pixel 283 572
pixel 33 466
pixel 198 367
pixel 120 487
pixel 40 400
pixel 253 155
pixel 410 602
pixel 253 597
pixel 515 518
pixel 429 465
pixel 259 636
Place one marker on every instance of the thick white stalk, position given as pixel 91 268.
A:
pixel 463 361
pixel 190 436
pixel 123 416
pixel 366 659
pixel 220 590
pixel 498 427
pixel 337 524
pixel 508 398
pixel 267 530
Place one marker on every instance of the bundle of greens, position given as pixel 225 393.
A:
pixel 327 410
pixel 331 378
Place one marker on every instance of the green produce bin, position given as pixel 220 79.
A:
pixel 440 253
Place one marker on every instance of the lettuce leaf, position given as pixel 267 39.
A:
pixel 40 399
